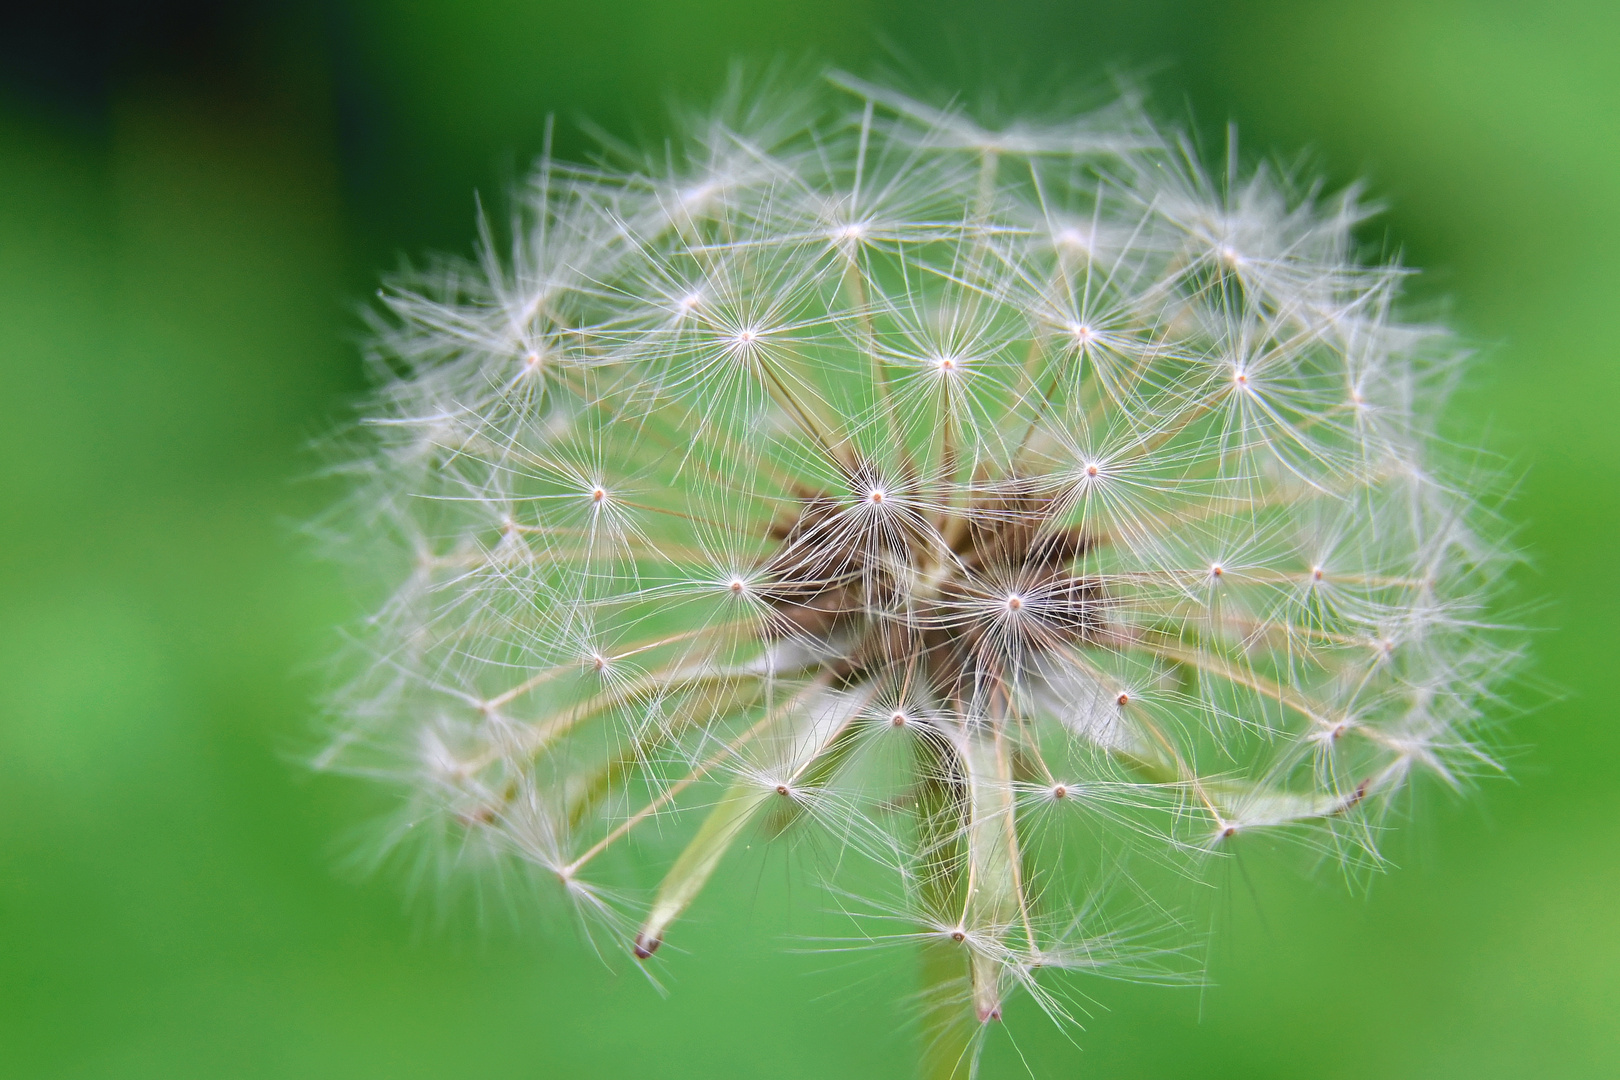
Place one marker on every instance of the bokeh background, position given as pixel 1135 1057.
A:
pixel 195 197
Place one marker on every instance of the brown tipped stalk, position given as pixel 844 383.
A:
pixel 811 727
pixel 698 861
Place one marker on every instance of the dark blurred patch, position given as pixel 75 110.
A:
pixel 73 54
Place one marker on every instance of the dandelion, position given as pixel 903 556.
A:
pixel 1015 508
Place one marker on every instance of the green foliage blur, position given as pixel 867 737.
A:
pixel 181 260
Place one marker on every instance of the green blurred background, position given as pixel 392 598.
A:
pixel 194 198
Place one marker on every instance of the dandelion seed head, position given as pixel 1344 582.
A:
pixel 830 423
